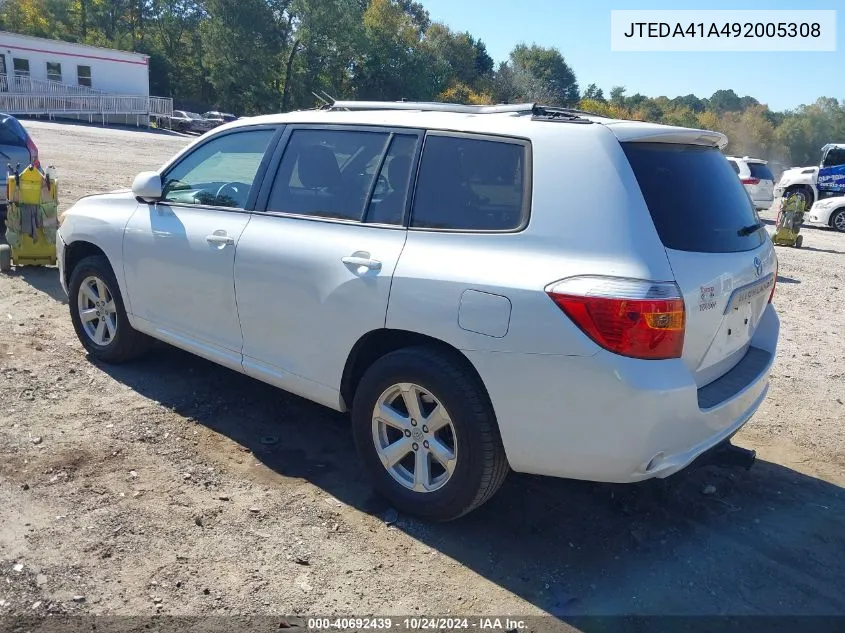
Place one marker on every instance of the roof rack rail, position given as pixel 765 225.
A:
pixel 537 111
pixel 431 106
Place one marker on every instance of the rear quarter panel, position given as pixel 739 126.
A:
pixel 587 217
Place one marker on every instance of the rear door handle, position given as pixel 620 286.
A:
pixel 359 262
pixel 218 239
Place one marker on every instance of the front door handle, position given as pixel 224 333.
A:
pixel 359 261
pixel 219 239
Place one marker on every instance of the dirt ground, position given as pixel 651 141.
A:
pixel 174 486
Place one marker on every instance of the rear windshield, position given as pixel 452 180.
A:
pixel 12 133
pixel 695 199
pixel 761 171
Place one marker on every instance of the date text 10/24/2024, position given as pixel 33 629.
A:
pixel 415 623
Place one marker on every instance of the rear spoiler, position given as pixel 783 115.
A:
pixel 637 132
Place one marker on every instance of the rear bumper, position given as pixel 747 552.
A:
pixel 615 419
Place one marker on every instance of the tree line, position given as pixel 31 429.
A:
pixel 257 56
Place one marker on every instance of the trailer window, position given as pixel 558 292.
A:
pixel 54 71
pixel 83 76
pixel 21 67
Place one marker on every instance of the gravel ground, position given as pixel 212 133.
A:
pixel 174 486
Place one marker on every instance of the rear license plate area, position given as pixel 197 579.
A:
pixel 746 294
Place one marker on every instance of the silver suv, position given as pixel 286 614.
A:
pixel 757 178
pixel 484 288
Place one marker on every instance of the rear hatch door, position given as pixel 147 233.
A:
pixel 719 251
pixel 765 187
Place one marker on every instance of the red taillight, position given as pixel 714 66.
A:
pixel 750 181
pixel 33 152
pixel 628 317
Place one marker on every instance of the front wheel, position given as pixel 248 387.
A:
pixel 837 220
pixel 427 434
pixel 98 314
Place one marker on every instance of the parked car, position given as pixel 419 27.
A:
pixel 184 121
pixel 219 118
pixel 436 274
pixel 16 148
pixel 180 121
pixel 829 212
pixel 757 178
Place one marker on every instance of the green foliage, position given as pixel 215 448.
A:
pixel 252 56
pixel 542 74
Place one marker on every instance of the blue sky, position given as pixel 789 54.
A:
pixel 581 31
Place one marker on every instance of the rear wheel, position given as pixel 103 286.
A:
pixel 98 314
pixel 427 434
pixel 799 241
pixel 837 220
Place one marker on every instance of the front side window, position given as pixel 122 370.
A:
pixel 471 184
pixel 54 71
pixel 328 173
pixel 21 67
pixel 83 76
pixel 220 172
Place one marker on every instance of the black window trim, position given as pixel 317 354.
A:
pixel 527 181
pixel 249 207
pixel 391 131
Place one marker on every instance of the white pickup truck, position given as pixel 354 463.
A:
pixel 823 186
pixel 816 183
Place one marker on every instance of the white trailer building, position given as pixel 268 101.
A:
pixel 49 77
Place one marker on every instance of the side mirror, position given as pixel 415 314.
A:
pixel 147 186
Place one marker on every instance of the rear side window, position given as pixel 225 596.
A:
pixel 471 184
pixel 328 173
pixel 761 171
pixel 695 199
pixel 734 165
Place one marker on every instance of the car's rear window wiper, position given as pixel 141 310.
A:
pixel 751 228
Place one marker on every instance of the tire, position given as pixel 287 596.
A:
pixel 119 341
pixel 5 258
pixel 799 241
pixel 479 465
pixel 805 191
pixel 837 220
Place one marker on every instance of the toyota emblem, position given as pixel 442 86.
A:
pixel 758 266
